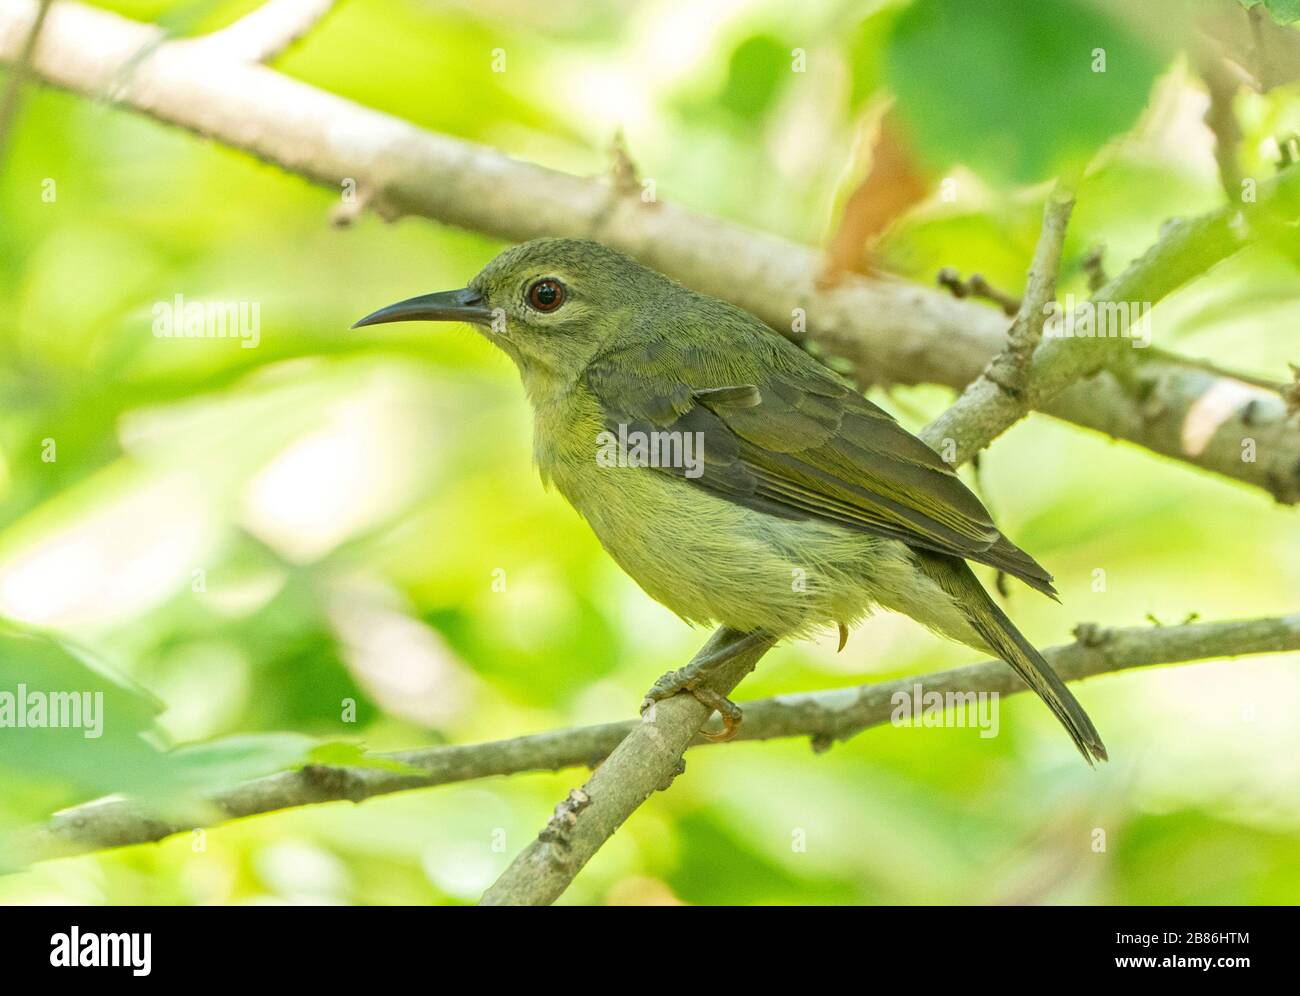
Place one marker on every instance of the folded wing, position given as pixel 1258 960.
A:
pixel 801 444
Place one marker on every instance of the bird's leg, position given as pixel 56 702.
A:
pixel 693 676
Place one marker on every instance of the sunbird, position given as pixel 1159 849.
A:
pixel 782 501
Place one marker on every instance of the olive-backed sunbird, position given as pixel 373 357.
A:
pixel 749 485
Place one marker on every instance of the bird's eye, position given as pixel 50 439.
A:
pixel 546 295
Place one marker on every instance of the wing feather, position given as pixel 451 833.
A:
pixel 800 443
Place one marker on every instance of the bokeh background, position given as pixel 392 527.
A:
pixel 250 538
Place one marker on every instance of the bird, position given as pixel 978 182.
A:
pixel 737 479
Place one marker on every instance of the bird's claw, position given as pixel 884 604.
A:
pixel 730 712
pixel 675 682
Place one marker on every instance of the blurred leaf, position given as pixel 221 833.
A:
pixel 893 184
pixel 757 67
pixel 1282 11
pixel 84 727
pixel 1018 91
pixel 1195 859
pixel 866 51
pixel 343 754
pixel 752 877
pixel 218 764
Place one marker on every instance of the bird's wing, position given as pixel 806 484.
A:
pixel 799 443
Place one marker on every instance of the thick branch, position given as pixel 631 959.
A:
pixel 646 760
pixel 824 716
pixel 890 330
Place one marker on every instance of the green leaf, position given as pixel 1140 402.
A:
pixel 1019 92
pixel 753 78
pixel 68 720
pixel 219 764
pixel 866 52
pixel 201 769
pixel 344 754
pixel 1282 11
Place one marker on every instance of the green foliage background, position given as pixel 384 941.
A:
pixel 350 498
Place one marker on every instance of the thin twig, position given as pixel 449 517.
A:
pixel 978 287
pixel 1221 119
pixel 1010 368
pixel 1094 266
pixel 11 99
pixel 1005 381
pixel 1291 392
pixel 1261 57
pixel 827 716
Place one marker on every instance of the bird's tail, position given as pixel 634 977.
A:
pixel 956 578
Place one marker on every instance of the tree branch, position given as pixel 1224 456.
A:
pixel 1186 249
pixel 890 330
pixel 646 760
pixel 1221 85
pixel 824 716
pixel 976 286
pixel 999 397
pixel 264 33
pixel 1010 368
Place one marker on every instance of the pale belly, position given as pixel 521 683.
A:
pixel 712 561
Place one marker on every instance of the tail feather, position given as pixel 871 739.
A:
pixel 1000 633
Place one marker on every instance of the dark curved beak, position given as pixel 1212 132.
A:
pixel 466 305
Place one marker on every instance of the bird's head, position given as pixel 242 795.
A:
pixel 550 304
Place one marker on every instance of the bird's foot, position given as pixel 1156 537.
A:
pixel 682 680
pixel 693 679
